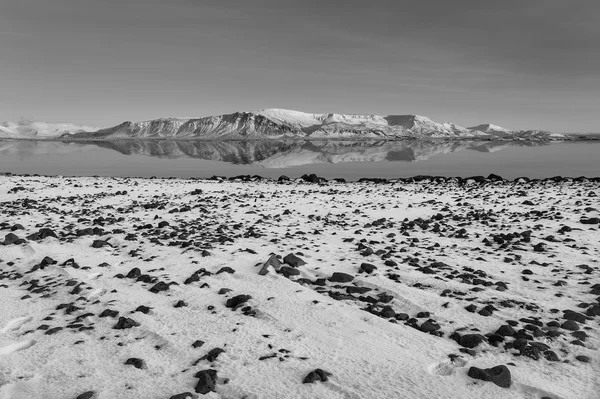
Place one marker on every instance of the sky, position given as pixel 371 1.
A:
pixel 519 64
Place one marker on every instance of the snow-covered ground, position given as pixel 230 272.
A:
pixel 72 247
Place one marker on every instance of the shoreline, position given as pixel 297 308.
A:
pixel 135 287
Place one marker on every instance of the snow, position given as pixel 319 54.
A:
pixel 369 356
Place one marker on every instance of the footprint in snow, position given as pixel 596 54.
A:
pixel 15 324
pixel 9 346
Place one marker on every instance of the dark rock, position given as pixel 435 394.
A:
pixel 225 269
pixel 316 375
pixel 212 354
pixel 499 375
pixel 206 381
pixel 237 301
pixel 125 322
pixel 506 331
pixel 367 268
pixel 184 395
pixel 135 362
pixel 134 273
pixel 293 260
pixel 158 287
pixel 570 325
pixel 471 340
pixel 338 277
pixel 288 271
pixel 86 395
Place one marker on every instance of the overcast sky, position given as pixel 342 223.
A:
pixel 518 64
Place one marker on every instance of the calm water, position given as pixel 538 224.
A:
pixel 349 160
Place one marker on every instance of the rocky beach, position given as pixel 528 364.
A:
pixel 299 288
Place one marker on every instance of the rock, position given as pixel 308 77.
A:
pixel 184 395
pixel 237 301
pixel 316 375
pixel 125 322
pixel 293 260
pixel 225 269
pixel 212 354
pixel 583 358
pixel 471 308
pixel 551 356
pixel 530 351
pixel 288 271
pixel 499 375
pixel 206 381
pixel 338 277
pixel 109 313
pixel 429 326
pixel 367 268
pixel 180 304
pixel 506 331
pixel 158 287
pixel 273 261
pixel 135 362
pixel 134 273
pixel 197 344
pixel 86 395
pixel 575 316
pixel 471 340
pixel 570 325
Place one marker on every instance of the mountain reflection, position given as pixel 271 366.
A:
pixel 271 153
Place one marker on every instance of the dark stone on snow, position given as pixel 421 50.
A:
pixel 471 340
pixel 206 381
pixel 338 277
pixel 184 395
pixel 134 273
pixel 288 271
pixel 499 375
pixel 570 325
pixel 237 301
pixel 293 260
pixel 124 323
pixel 109 313
pixel 86 395
pixel 367 268
pixel 212 354
pixel 197 344
pixel 158 287
pixel 316 375
pixel 225 269
pixel 506 331
pixel 135 362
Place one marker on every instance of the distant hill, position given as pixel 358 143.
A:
pixel 30 129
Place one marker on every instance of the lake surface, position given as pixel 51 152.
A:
pixel 350 160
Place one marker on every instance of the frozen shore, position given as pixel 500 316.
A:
pixel 134 288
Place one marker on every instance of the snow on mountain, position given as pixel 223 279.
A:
pixel 489 128
pixel 31 129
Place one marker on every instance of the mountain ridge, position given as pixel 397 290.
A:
pixel 278 123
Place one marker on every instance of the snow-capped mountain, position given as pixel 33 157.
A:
pixel 281 123
pixel 489 128
pixel 30 129
pixel 272 124
pixel 501 132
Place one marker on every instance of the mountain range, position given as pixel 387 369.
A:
pixel 273 124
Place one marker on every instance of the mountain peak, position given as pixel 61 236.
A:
pixel 488 127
